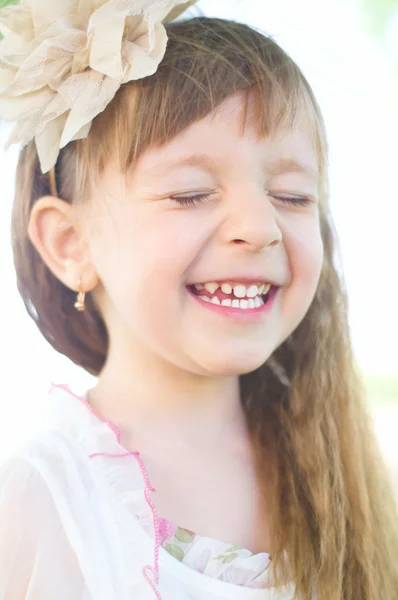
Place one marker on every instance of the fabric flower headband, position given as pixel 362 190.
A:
pixel 62 62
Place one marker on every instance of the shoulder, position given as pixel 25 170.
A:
pixel 25 498
pixel 27 477
pixel 36 556
pixel 50 539
pixel 42 452
pixel 39 480
pixel 17 476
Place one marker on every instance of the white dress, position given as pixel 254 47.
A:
pixel 77 523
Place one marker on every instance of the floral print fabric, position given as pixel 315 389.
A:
pixel 214 558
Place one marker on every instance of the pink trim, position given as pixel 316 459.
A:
pixel 66 388
pixel 148 487
pixel 147 579
pixel 167 529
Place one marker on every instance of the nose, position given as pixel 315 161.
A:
pixel 253 222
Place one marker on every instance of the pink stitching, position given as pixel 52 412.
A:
pixel 147 579
pixel 66 388
pixel 148 487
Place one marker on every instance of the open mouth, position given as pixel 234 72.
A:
pixel 231 300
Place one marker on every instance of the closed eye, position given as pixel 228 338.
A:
pixel 292 200
pixel 194 199
pixel 190 200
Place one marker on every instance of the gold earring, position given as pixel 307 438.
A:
pixel 80 302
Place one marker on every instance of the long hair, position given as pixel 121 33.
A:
pixel 327 490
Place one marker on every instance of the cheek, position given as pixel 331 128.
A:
pixel 308 258
pixel 305 251
pixel 141 262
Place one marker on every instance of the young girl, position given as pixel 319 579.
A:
pixel 172 236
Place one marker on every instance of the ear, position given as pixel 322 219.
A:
pixel 55 233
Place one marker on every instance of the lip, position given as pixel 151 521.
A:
pixel 248 315
pixel 240 279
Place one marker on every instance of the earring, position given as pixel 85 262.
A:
pixel 80 302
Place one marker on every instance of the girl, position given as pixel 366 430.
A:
pixel 172 236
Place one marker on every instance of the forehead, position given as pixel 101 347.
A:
pixel 239 117
pixel 231 133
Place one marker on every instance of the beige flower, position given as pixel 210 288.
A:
pixel 62 62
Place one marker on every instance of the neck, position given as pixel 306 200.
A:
pixel 150 400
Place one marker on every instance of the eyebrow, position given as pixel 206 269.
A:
pixel 281 167
pixel 193 160
pixel 291 165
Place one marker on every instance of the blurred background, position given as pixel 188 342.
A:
pixel 348 50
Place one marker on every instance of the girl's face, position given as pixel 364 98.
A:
pixel 257 219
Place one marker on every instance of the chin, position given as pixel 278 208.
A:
pixel 236 365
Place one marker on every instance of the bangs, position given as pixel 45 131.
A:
pixel 206 61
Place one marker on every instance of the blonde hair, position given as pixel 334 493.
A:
pixel 327 490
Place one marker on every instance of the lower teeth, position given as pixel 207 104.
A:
pixel 243 304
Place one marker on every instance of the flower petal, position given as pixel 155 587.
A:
pixel 15 108
pixel 178 10
pixel 62 62
pixel 92 98
pixel 16 22
pixel 6 78
pixel 82 133
pixel 27 126
pixel 106 45
pixel 46 66
pixel 158 11
pixel 45 12
pixel 48 143
pixel 14 45
pixel 138 62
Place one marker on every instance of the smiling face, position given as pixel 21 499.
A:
pixel 256 216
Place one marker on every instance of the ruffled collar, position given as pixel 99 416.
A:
pixel 136 527
pixel 123 478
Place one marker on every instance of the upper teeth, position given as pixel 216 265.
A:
pixel 239 290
